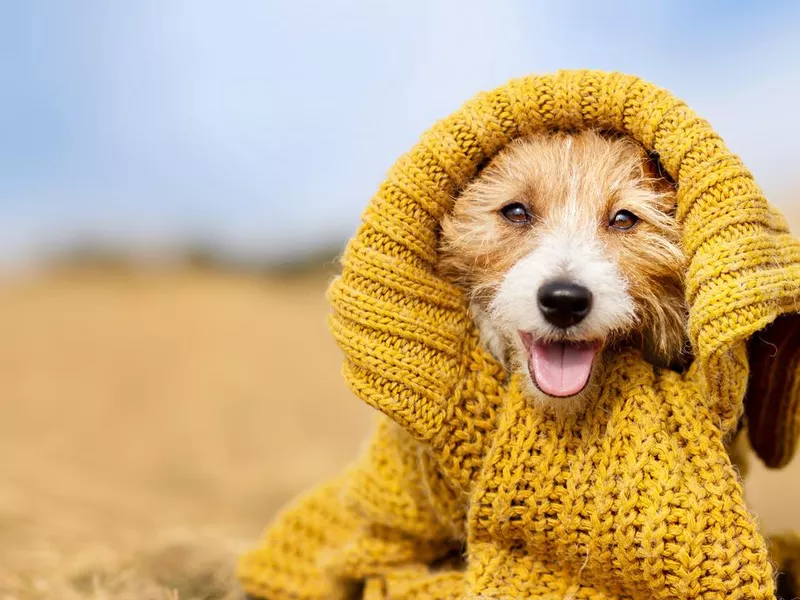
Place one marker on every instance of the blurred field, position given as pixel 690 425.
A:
pixel 151 424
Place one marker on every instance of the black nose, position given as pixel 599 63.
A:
pixel 564 303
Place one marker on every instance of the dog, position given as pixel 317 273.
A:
pixel 568 247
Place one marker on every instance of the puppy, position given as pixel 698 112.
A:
pixel 568 247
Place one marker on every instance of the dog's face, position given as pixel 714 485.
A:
pixel 568 248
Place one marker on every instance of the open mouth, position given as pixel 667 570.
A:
pixel 561 368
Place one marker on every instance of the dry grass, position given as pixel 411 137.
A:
pixel 151 424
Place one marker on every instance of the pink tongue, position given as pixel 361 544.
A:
pixel 561 369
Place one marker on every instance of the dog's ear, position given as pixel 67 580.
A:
pixel 660 181
pixel 772 403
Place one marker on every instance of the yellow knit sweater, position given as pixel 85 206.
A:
pixel 466 490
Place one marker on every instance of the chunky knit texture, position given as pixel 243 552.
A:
pixel 634 498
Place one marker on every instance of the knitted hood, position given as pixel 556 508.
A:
pixel 403 329
pixel 634 498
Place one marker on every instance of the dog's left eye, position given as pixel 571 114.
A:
pixel 623 220
pixel 516 213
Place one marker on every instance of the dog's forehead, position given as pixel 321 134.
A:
pixel 579 178
pixel 553 169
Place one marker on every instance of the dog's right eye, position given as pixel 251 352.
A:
pixel 516 213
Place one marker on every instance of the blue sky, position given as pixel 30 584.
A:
pixel 265 126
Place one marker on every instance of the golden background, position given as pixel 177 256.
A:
pixel 153 421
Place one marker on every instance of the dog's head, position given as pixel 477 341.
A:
pixel 568 247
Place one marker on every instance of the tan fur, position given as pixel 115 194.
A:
pixel 606 174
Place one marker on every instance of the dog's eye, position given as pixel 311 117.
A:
pixel 623 220
pixel 516 213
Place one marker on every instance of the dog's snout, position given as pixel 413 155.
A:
pixel 564 303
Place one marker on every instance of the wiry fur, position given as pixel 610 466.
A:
pixel 572 185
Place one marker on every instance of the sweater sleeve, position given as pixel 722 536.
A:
pixel 379 518
pixel 288 562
